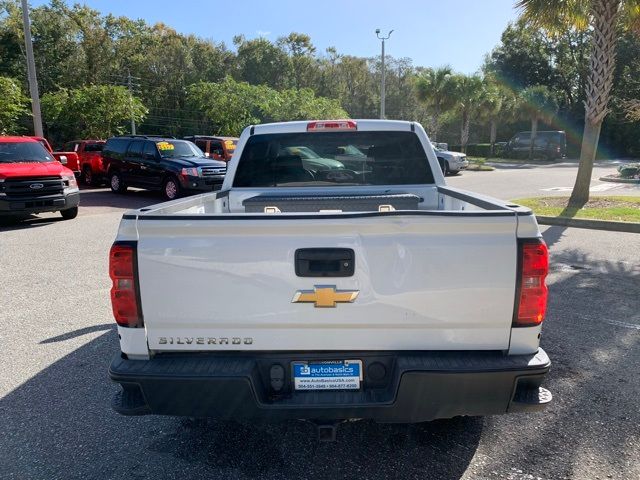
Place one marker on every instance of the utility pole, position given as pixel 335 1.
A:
pixel 130 85
pixel 31 70
pixel 382 87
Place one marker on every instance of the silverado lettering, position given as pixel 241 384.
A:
pixel 202 341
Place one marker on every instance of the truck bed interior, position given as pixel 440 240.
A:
pixel 435 199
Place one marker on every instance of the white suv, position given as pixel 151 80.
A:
pixel 450 162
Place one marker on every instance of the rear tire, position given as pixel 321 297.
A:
pixel 116 183
pixel 171 188
pixel 87 176
pixel 69 213
pixel 445 169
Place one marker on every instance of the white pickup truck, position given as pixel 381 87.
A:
pixel 359 288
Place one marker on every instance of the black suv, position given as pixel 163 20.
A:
pixel 549 145
pixel 160 163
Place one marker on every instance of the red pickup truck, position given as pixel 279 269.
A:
pixel 92 170
pixel 33 181
pixel 69 159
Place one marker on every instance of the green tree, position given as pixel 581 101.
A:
pixel 229 105
pixel 537 103
pixel 467 93
pixel 94 111
pixel 492 103
pixel 436 88
pixel 523 58
pixel 12 105
pixel 301 53
pixel 260 62
pixel 604 19
pixel 349 80
pixel 301 104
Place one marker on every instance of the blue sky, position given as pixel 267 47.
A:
pixel 431 32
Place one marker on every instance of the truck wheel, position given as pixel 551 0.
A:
pixel 69 213
pixel 445 168
pixel 171 188
pixel 87 176
pixel 116 183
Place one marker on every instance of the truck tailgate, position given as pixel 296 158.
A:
pixel 423 282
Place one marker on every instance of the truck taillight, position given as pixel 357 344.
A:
pixel 531 299
pixel 331 125
pixel 124 289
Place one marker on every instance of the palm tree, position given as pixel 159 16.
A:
pixel 537 103
pixel 468 90
pixel 435 89
pixel 604 19
pixel 492 105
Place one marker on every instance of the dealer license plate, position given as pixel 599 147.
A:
pixel 327 375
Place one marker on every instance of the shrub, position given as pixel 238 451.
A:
pixel 478 150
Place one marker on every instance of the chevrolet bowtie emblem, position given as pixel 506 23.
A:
pixel 325 296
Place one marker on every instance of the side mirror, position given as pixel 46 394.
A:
pixel 63 159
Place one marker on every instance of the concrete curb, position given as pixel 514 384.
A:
pixel 620 180
pixel 630 227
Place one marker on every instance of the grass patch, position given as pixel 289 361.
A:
pixel 536 161
pixel 618 209
pixel 477 164
pixel 476 167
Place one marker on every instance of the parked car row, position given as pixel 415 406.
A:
pixel 176 167
pixel 35 179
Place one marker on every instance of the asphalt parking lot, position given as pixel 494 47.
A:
pixel 57 337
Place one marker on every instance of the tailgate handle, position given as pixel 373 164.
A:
pixel 325 262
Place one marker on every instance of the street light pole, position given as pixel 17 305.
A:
pixel 130 87
pixel 31 69
pixel 382 87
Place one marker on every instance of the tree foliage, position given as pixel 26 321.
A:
pixel 467 98
pixel 12 105
pixel 436 89
pixel 76 46
pixel 94 111
pixel 231 106
pixel 604 19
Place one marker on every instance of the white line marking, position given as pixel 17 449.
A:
pixel 623 324
pixel 603 187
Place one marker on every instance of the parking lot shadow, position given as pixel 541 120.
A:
pixel 59 424
pixel 8 224
pixel 592 335
pixel 103 197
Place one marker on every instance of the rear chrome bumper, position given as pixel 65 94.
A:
pixel 399 387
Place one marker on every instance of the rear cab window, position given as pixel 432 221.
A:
pixel 333 159
pixel 93 147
